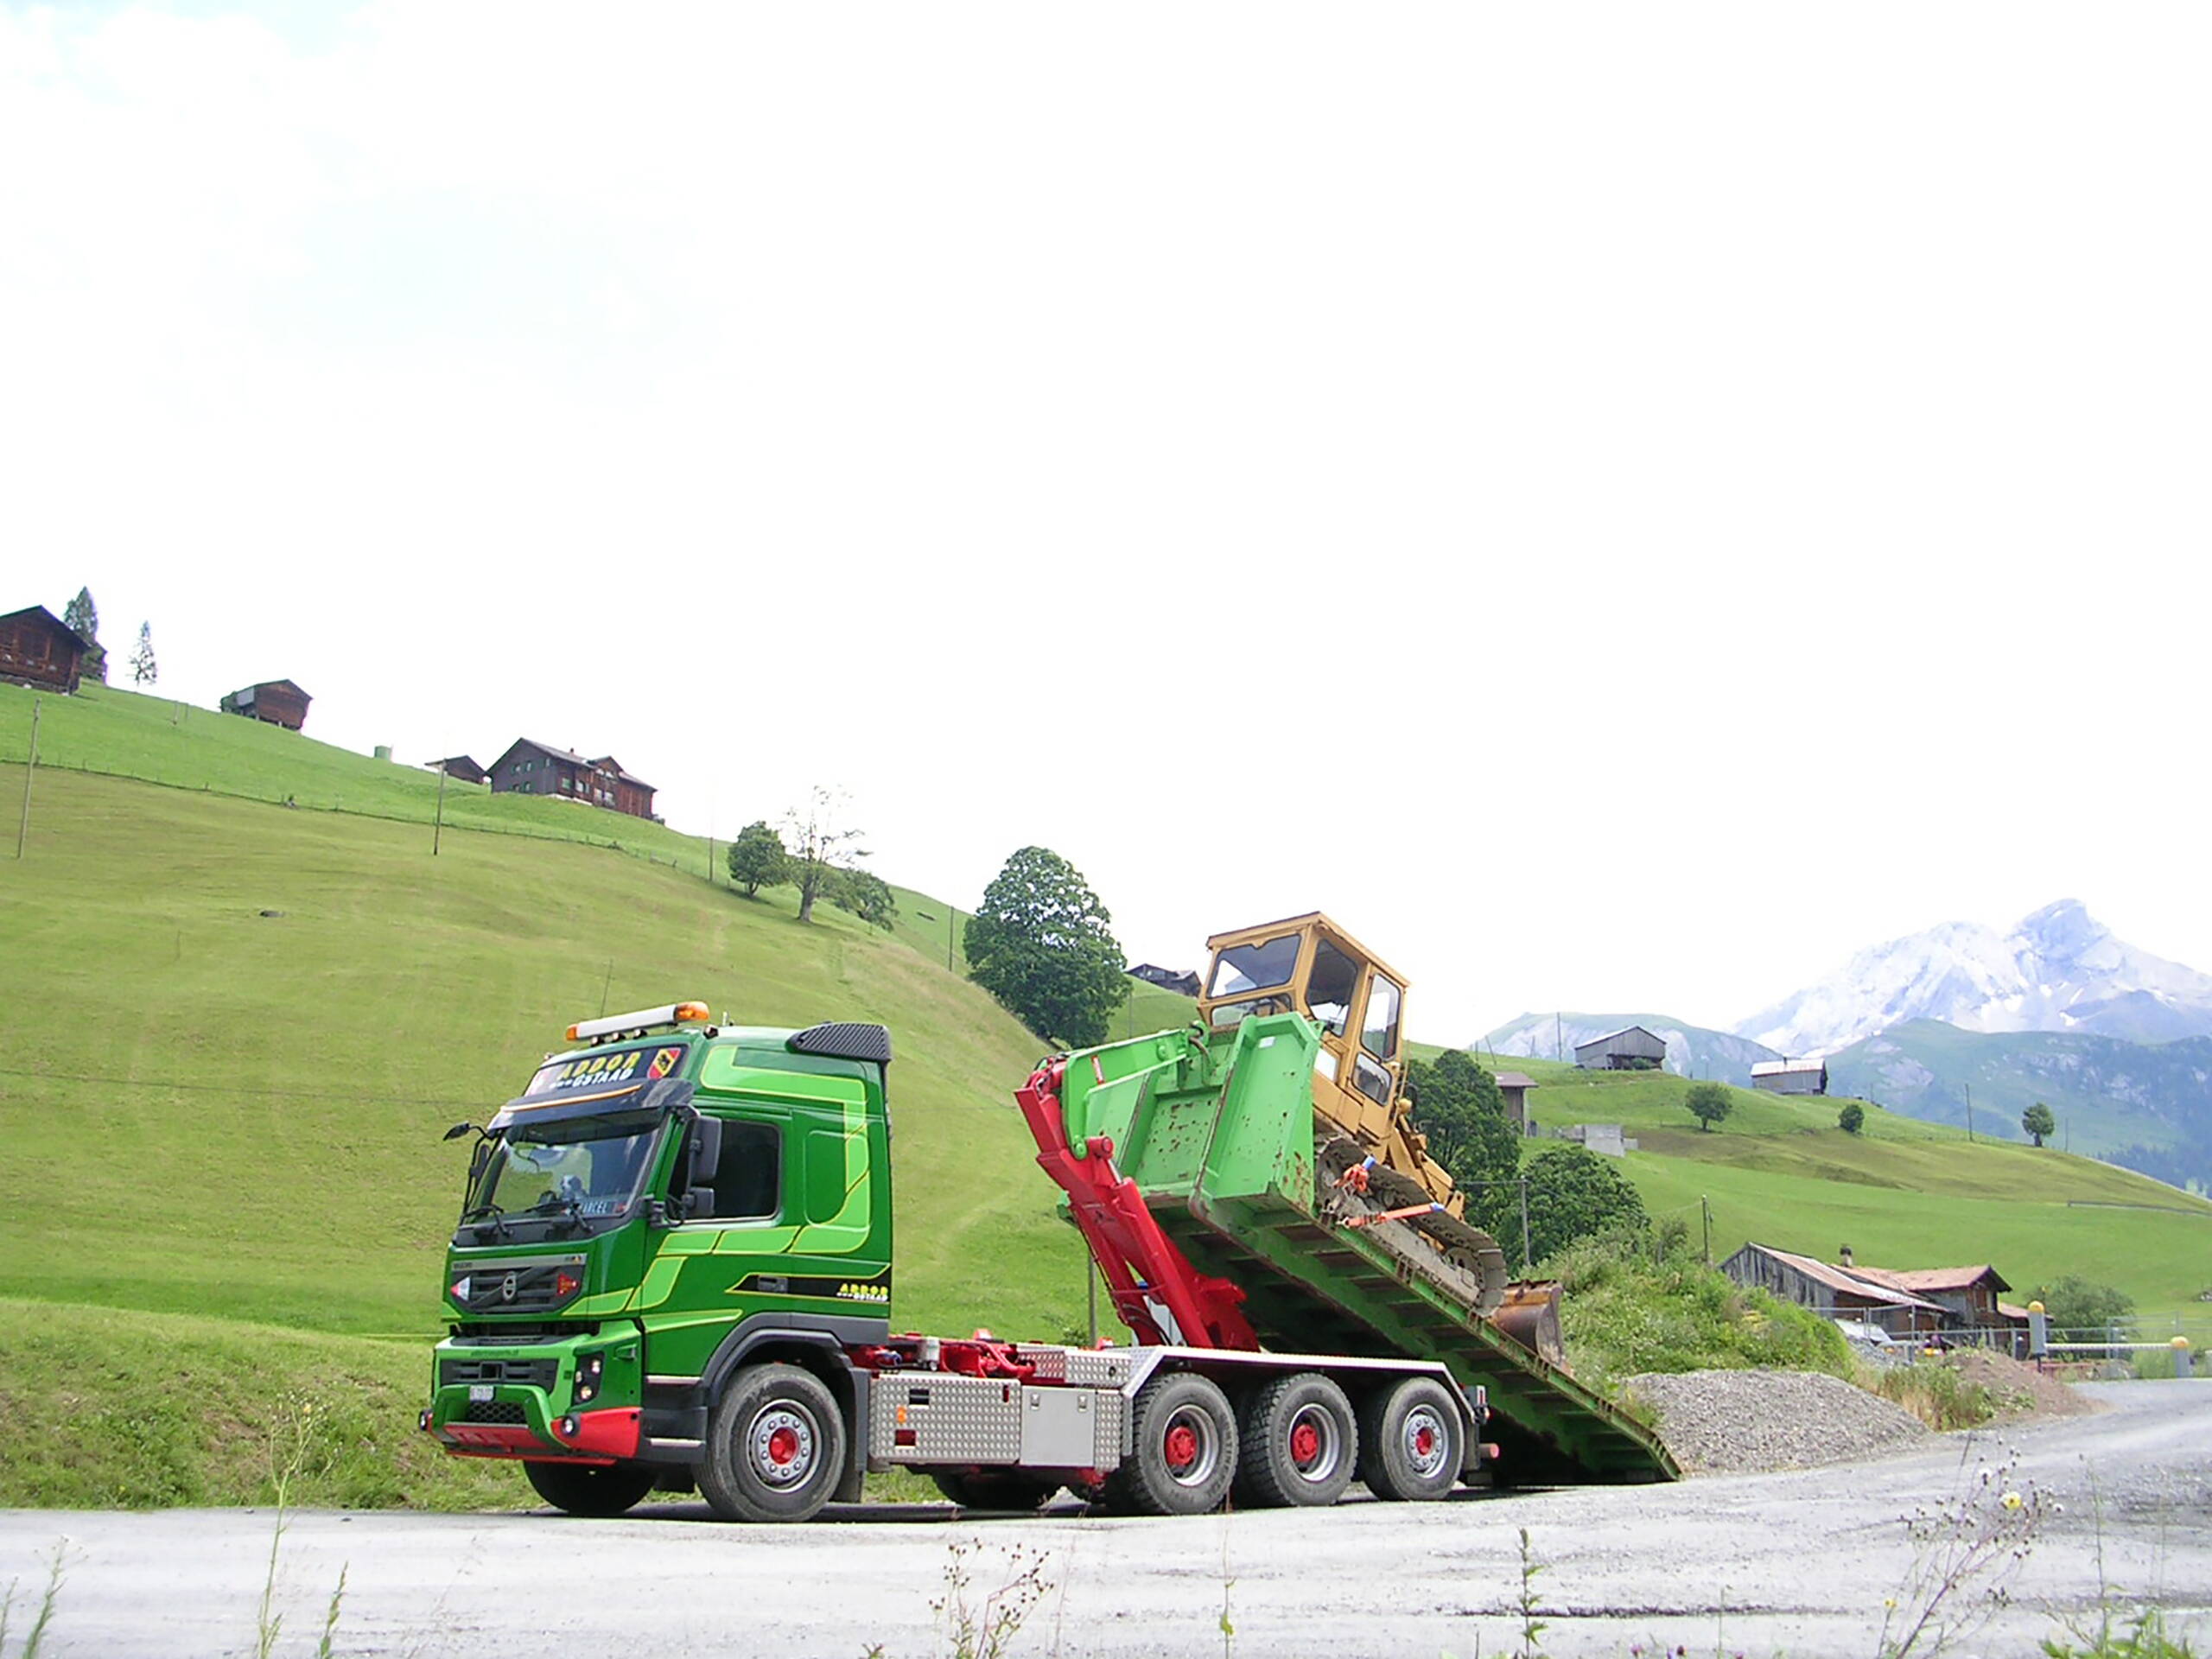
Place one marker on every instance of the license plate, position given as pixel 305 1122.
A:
pixel 479 1391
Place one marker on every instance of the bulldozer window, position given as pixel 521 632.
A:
pixel 1380 1035
pixel 1254 967
pixel 1329 988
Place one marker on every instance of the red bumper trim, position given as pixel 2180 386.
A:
pixel 612 1433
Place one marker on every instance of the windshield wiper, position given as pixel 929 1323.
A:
pixel 493 1217
pixel 573 1220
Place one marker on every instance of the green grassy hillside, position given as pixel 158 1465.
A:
pixel 234 1034
pixel 1902 1192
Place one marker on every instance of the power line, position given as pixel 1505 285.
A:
pixel 226 1089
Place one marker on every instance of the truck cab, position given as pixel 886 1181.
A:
pixel 667 1206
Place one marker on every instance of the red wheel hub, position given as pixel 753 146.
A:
pixel 1425 1442
pixel 783 1446
pixel 1182 1447
pixel 1305 1444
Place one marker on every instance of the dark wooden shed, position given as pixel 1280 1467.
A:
pixel 279 702
pixel 38 649
pixel 530 767
pixel 462 766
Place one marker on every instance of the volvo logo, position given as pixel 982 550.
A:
pixel 508 1289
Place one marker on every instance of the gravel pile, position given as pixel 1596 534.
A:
pixel 1741 1422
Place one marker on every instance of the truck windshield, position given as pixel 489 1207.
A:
pixel 578 1173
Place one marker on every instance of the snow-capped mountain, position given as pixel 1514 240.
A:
pixel 1692 1050
pixel 2060 970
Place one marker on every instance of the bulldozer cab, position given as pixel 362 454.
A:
pixel 1309 964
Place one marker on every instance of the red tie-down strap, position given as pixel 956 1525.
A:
pixel 1144 1270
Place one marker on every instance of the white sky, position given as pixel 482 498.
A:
pixel 1623 506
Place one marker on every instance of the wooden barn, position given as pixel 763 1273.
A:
pixel 1832 1292
pixel 533 768
pixel 1790 1077
pixel 1168 979
pixel 462 766
pixel 38 649
pixel 279 702
pixel 1633 1050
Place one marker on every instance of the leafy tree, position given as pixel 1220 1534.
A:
pixel 1460 1110
pixel 866 895
pixel 82 618
pixel 1575 1193
pixel 142 670
pixel 2072 1303
pixel 2039 1122
pixel 757 859
pixel 819 848
pixel 1043 944
pixel 1708 1103
pixel 1850 1117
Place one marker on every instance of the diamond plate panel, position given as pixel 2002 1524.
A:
pixel 952 1419
pixel 1091 1368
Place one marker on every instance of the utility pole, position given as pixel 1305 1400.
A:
pixel 951 933
pixel 30 765
pixel 1969 1089
pixel 438 828
pixel 1526 1263
pixel 1705 1205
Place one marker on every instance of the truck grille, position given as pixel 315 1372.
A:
pixel 495 1411
pixel 511 1286
pixel 532 1373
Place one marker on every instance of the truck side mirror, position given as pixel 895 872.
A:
pixel 479 1155
pixel 706 1150
pixel 699 1204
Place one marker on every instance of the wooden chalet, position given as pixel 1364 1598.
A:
pixel 1833 1291
pixel 1966 1295
pixel 462 766
pixel 1633 1050
pixel 533 768
pixel 1183 982
pixel 279 702
pixel 38 649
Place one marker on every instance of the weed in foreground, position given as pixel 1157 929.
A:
pixel 970 1628
pixel 1965 1551
pixel 36 1638
pixel 291 1445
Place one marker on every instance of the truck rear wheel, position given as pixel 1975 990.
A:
pixel 1411 1441
pixel 1300 1443
pixel 1185 1455
pixel 583 1488
pixel 775 1446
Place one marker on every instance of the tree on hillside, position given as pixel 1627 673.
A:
pixel 1708 1103
pixel 83 618
pixel 818 846
pixel 1850 1117
pixel 757 859
pixel 1573 1193
pixel 865 894
pixel 1043 944
pixel 2039 1122
pixel 1459 1108
pixel 2072 1303
pixel 142 669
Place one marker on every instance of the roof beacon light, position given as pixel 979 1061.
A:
pixel 676 1014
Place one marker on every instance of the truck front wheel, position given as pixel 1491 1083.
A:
pixel 1185 1436
pixel 1410 1441
pixel 581 1489
pixel 775 1446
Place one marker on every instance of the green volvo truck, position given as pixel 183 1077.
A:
pixel 672 1271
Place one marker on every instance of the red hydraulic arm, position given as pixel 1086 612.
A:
pixel 1149 1278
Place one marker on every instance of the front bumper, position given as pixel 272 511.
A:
pixel 510 1399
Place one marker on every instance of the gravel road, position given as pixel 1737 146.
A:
pixel 1799 1562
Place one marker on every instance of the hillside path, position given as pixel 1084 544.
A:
pixel 1751 1564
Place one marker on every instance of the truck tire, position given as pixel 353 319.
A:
pixel 775 1446
pixel 1300 1443
pixel 991 1489
pixel 1411 1440
pixel 1185 1439
pixel 581 1489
